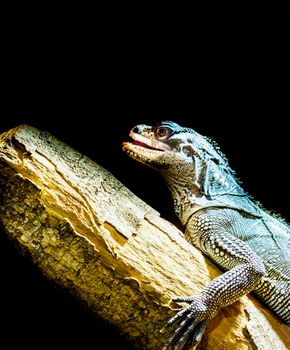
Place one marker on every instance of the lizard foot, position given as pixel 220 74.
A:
pixel 192 323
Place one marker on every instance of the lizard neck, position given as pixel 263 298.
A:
pixel 187 197
pixel 210 187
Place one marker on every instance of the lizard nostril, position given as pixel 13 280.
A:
pixel 135 129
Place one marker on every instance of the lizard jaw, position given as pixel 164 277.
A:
pixel 143 148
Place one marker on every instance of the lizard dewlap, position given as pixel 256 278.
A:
pixel 222 220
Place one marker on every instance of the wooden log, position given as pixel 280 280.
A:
pixel 90 234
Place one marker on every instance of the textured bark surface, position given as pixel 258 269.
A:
pixel 91 235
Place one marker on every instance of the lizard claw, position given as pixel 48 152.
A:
pixel 184 299
pixel 178 316
pixel 193 321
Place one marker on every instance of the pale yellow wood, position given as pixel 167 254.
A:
pixel 90 234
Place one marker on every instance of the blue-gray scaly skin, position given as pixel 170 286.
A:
pixel 220 219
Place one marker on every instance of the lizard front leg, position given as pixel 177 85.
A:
pixel 246 269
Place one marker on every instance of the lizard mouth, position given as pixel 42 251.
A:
pixel 141 144
pixel 143 148
pixel 140 141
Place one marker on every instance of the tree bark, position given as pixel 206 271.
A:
pixel 91 235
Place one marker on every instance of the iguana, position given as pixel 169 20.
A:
pixel 222 220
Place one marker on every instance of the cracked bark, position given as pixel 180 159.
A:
pixel 90 234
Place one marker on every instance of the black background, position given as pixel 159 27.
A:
pixel 89 77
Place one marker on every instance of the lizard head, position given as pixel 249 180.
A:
pixel 158 146
pixel 177 152
pixel 167 144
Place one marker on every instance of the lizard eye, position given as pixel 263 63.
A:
pixel 163 133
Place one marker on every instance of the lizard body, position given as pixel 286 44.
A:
pixel 220 218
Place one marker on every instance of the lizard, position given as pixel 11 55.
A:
pixel 251 245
